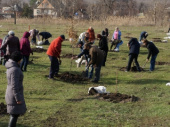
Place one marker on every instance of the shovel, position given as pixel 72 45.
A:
pixel 144 64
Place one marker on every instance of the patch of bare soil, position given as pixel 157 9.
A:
pixel 133 69
pixel 3 109
pixel 162 63
pixel 127 37
pixel 68 56
pixel 73 78
pixel 117 97
pixel 39 50
pixel 156 39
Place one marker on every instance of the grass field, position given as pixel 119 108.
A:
pixel 63 104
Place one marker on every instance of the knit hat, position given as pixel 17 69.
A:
pixel 99 36
pixel 62 36
pixel 11 33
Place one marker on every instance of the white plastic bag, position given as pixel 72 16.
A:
pixel 99 89
pixel 168 84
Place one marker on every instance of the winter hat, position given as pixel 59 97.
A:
pixel 11 33
pixel 16 56
pixel 62 36
pixel 99 36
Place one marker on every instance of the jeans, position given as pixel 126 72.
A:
pixel 131 57
pixel 117 47
pixel 89 74
pixel 152 63
pixel 54 68
pixel 97 73
pixel 24 63
pixel 13 120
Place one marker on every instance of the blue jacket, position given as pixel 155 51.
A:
pixel 134 46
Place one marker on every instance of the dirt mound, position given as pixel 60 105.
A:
pixel 73 78
pixel 133 69
pixel 68 56
pixel 39 50
pixel 127 37
pixel 3 109
pixel 162 63
pixel 156 39
pixel 117 97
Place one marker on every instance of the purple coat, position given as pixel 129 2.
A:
pixel 25 44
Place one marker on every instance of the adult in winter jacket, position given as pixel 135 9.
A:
pixel 91 35
pixel 105 32
pixel 116 39
pixel 103 45
pixel 14 93
pixel 152 52
pixel 53 53
pixel 25 50
pixel 34 33
pixel 96 60
pixel 134 48
pixel 12 44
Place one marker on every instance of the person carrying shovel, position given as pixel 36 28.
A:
pixel 134 48
pixel 152 52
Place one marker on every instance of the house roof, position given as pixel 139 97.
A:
pixel 45 4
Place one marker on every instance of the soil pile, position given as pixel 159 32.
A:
pixel 39 50
pixel 117 97
pixel 74 78
pixel 162 63
pixel 133 69
pixel 68 56
pixel 3 109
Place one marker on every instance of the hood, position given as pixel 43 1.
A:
pixel 26 35
pixel 10 63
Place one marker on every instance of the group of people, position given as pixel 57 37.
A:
pixel 134 49
pixel 17 54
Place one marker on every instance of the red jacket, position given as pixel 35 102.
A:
pixel 55 47
pixel 25 44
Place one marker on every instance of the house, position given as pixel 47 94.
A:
pixel 45 8
pixel 8 12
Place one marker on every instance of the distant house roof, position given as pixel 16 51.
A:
pixel 45 4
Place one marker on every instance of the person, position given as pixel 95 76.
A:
pixel 116 39
pixel 91 35
pixel 12 44
pixel 134 48
pixel 53 53
pixel 4 50
pixel 33 34
pixel 14 93
pixel 105 32
pixel 103 45
pixel 25 50
pixel 152 52
pixel 96 60
pixel 143 36
pixel 84 37
pixel 1 52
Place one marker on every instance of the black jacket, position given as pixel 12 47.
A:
pixel 153 50
pixel 134 46
pixel 103 44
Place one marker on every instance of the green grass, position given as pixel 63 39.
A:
pixel 61 104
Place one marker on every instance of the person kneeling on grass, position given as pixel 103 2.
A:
pixel 153 51
pixel 96 59
pixel 14 93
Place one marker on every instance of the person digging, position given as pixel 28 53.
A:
pixel 96 60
